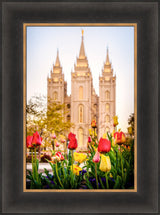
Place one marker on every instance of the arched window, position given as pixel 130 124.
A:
pixel 107 95
pixel 80 137
pixel 55 96
pixel 107 129
pixel 80 92
pixel 68 118
pixel 107 108
pixel 68 106
pixel 80 113
pixel 107 119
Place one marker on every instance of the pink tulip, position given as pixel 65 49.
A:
pixel 57 144
pixel 96 158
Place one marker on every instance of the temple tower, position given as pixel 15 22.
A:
pixel 81 98
pixel 107 97
pixel 57 87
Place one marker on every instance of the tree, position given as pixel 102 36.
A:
pixel 45 118
pixel 131 121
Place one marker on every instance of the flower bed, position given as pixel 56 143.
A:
pixel 108 164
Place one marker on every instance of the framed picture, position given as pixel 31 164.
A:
pixel 96 115
pixel 31 66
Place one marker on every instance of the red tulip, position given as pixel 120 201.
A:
pixel 37 140
pixel 89 139
pixel 119 138
pixel 104 145
pixel 73 141
pixel 29 142
pixel 71 135
pixel 60 156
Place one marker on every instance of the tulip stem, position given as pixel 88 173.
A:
pixel 72 165
pixel 121 162
pixel 33 166
pixel 58 176
pixel 36 171
pixel 96 175
pixel 72 160
pixel 106 175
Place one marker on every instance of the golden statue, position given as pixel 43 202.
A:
pixel 82 32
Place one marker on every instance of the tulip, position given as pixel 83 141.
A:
pixel 96 160
pixel 29 142
pixel 55 158
pixel 90 132
pixel 96 157
pixel 53 136
pixel 93 124
pixel 32 142
pixel 59 154
pixel 105 164
pixel 79 157
pixel 37 140
pixel 89 140
pixel 56 143
pixel 113 133
pixel 71 136
pixel 115 121
pixel 76 169
pixel 73 142
pixel 119 138
pixel 104 145
pixel 95 133
pixel 63 140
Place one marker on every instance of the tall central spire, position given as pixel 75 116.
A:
pixel 107 58
pixel 82 52
pixel 57 59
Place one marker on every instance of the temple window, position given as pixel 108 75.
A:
pixel 107 119
pixel 107 95
pixel 80 113
pixel 55 96
pixel 80 92
pixel 107 108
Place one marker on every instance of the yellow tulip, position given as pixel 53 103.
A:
pixel 95 134
pixel 113 133
pixel 79 157
pixel 115 121
pixel 105 164
pixel 90 132
pixel 76 169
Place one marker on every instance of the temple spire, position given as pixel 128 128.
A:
pixel 107 58
pixel 82 52
pixel 57 59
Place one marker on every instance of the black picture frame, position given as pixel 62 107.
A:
pixel 14 14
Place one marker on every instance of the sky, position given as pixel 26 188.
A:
pixel 42 46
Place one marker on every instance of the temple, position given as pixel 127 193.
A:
pixel 84 105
